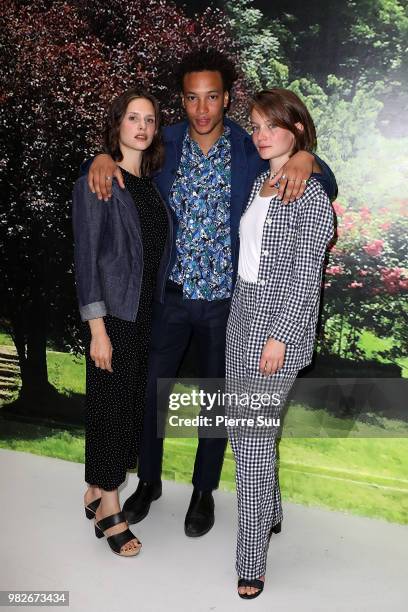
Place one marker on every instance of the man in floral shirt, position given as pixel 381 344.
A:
pixel 200 198
pixel 210 166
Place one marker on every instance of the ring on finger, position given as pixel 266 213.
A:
pixel 304 181
pixel 108 178
pixel 284 176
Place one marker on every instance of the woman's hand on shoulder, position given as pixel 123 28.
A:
pixel 100 176
pixel 273 356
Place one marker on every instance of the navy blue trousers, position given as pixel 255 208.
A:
pixel 175 323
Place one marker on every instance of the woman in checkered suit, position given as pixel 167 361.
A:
pixel 272 324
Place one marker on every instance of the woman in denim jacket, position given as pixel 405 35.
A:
pixel 122 251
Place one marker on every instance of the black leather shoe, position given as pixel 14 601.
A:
pixel 137 506
pixel 200 514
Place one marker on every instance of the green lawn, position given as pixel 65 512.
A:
pixel 365 476
pixel 361 471
pixel 371 344
pixel 5 339
pixel 66 372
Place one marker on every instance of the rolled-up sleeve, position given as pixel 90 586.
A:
pixel 315 232
pixel 89 217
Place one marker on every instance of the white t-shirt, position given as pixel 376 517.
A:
pixel 250 235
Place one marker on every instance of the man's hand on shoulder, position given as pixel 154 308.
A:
pixel 293 176
pixel 100 175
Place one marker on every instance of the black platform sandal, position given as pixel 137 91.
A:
pixel 119 539
pixel 91 508
pixel 254 583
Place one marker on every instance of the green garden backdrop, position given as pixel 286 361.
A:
pixel 63 61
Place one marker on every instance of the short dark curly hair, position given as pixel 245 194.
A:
pixel 207 58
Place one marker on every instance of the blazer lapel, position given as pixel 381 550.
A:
pixel 126 200
pixel 239 169
pixel 255 188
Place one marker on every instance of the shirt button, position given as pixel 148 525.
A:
pixel 262 283
pixel 268 221
pixel 266 253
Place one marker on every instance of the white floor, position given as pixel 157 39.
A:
pixel 322 561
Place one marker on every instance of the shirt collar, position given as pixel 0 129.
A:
pixel 219 144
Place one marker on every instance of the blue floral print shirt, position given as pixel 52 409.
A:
pixel 200 198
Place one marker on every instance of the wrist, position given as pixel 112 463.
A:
pixel 98 334
pixel 97 327
pixel 306 155
pixel 105 156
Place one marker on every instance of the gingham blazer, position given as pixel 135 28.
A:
pixel 294 242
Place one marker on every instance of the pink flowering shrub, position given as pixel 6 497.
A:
pixel 366 280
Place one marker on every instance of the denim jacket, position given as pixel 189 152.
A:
pixel 109 253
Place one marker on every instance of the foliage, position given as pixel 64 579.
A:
pixel 261 54
pixel 366 288
pixel 362 41
pixel 370 168
pixel 366 284
pixel 64 61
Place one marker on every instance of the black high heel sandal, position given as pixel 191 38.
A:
pixel 254 583
pixel 276 528
pixel 119 539
pixel 91 508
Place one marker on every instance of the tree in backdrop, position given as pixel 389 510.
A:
pixel 346 63
pixel 64 61
pixel 362 41
pixel 62 64
pixel 261 41
pixel 47 108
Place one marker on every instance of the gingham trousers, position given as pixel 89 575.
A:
pixel 254 448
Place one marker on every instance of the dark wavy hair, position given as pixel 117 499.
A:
pixel 284 108
pixel 207 59
pixel 153 157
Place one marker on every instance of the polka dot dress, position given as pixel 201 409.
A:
pixel 115 401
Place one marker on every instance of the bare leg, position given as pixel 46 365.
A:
pixel 93 492
pixel 110 505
